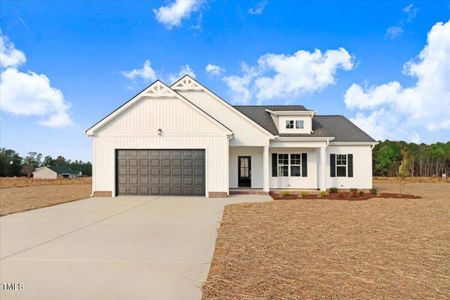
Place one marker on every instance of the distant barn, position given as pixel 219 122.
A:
pixel 55 172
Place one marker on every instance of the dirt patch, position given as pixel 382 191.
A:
pixel 380 248
pixel 17 199
pixel 7 182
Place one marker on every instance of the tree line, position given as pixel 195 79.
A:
pixel 12 164
pixel 410 159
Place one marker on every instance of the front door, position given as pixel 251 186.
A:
pixel 245 171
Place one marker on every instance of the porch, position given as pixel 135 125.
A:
pixel 294 167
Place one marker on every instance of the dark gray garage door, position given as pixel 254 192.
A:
pixel 160 172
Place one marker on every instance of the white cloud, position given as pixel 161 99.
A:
pixel 240 85
pixel 9 55
pixel 411 12
pixel 172 14
pixel 288 76
pixel 425 104
pixel 394 31
pixel 30 94
pixel 146 73
pixel 184 70
pixel 214 69
pixel 259 8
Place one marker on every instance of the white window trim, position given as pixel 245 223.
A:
pixel 295 165
pixel 289 164
pixel 341 165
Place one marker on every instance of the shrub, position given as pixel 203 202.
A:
pixel 333 190
pixel 304 194
pixel 341 195
pixel 373 191
pixel 324 194
pixel 355 194
pixel 285 193
pixel 361 193
pixel 353 190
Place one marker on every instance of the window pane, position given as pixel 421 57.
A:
pixel 283 159
pixel 295 159
pixel 295 171
pixel 283 171
pixel 289 124
pixel 341 171
pixel 341 159
pixel 299 124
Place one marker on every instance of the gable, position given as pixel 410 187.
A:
pixel 245 130
pixel 155 107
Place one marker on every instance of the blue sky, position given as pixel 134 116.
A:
pixel 83 53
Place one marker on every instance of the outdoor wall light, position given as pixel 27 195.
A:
pixel 159 131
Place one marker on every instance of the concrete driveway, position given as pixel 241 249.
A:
pixel 112 248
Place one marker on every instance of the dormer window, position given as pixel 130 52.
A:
pixel 289 124
pixel 299 124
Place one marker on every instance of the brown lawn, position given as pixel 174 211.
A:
pixel 21 194
pixel 310 249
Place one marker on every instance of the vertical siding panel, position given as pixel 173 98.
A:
pixel 182 128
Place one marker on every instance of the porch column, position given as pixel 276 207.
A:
pixel 323 168
pixel 266 169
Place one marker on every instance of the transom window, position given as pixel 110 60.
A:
pixel 289 165
pixel 341 165
pixel 289 124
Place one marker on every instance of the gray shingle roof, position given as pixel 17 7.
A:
pixel 335 126
pixel 63 170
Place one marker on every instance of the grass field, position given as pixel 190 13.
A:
pixel 374 249
pixel 21 194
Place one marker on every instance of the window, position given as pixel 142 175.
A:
pixel 296 161
pixel 341 165
pixel 289 165
pixel 299 124
pixel 283 165
pixel 289 124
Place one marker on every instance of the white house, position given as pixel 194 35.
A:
pixel 186 140
pixel 55 172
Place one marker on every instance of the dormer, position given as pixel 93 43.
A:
pixel 292 121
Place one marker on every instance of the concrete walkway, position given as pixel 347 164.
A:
pixel 112 248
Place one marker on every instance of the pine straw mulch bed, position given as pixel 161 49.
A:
pixel 349 196
pixel 381 248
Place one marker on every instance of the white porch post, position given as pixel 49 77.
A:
pixel 323 168
pixel 266 169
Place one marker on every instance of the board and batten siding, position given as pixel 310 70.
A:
pixel 309 182
pixel 362 167
pixel 182 128
pixel 244 133
pixel 256 154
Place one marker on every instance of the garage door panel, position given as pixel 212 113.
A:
pixel 161 172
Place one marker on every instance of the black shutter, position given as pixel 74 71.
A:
pixel 274 164
pixel 304 165
pixel 332 165
pixel 350 165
